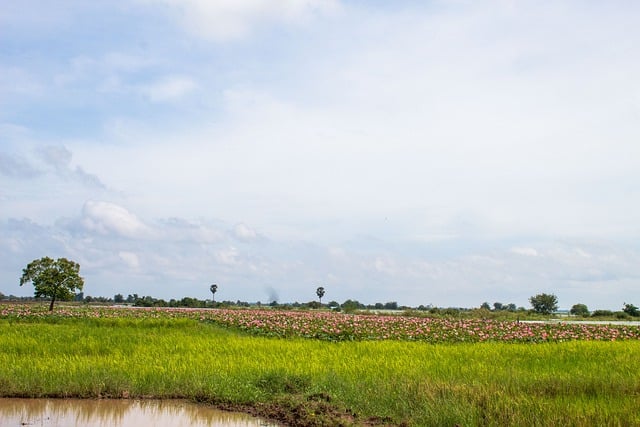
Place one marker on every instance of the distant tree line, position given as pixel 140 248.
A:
pixel 60 280
pixel 541 304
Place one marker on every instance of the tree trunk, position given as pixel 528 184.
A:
pixel 53 298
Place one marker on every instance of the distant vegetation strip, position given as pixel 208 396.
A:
pixel 330 326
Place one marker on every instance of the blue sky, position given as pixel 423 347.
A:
pixel 444 152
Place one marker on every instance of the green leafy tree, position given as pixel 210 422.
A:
pixel 351 305
pixel 631 310
pixel 544 303
pixel 579 310
pixel 320 293
pixel 57 279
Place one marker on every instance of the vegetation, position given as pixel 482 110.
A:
pixel 544 303
pixel 631 310
pixel 57 279
pixel 320 293
pixel 213 288
pixel 171 353
pixel 579 310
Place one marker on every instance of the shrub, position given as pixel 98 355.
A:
pixel 602 313
pixel 631 310
pixel 579 310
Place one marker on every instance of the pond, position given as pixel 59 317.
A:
pixel 118 413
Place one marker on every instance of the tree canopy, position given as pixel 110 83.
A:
pixel 57 279
pixel 544 303
pixel 579 310
pixel 631 310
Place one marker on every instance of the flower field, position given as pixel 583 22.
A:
pixel 331 326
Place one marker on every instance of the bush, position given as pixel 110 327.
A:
pixel 579 310
pixel 602 313
pixel 631 310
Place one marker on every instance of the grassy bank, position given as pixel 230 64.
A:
pixel 324 383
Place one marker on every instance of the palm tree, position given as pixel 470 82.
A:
pixel 320 293
pixel 213 288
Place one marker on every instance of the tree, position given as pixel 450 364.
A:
pixel 320 293
pixel 544 303
pixel 57 279
pixel 213 288
pixel 579 310
pixel 392 305
pixel 485 306
pixel 118 298
pixel 631 310
pixel 351 305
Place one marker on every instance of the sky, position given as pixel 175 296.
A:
pixel 424 152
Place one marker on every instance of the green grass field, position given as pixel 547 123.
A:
pixel 315 382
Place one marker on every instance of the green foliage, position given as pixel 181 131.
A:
pixel 621 315
pixel 283 382
pixel 57 279
pixel 313 305
pixel 349 306
pixel 631 310
pixel 579 310
pixel 320 293
pixel 602 313
pixel 544 303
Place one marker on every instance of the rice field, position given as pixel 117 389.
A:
pixel 304 369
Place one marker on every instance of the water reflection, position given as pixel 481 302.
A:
pixel 117 413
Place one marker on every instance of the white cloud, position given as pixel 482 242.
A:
pixel 227 256
pixel 225 20
pixel 105 217
pixel 525 251
pixel 130 259
pixel 244 232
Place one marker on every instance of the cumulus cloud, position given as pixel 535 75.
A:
pixel 106 218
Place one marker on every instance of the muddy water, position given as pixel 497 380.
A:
pixel 117 413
